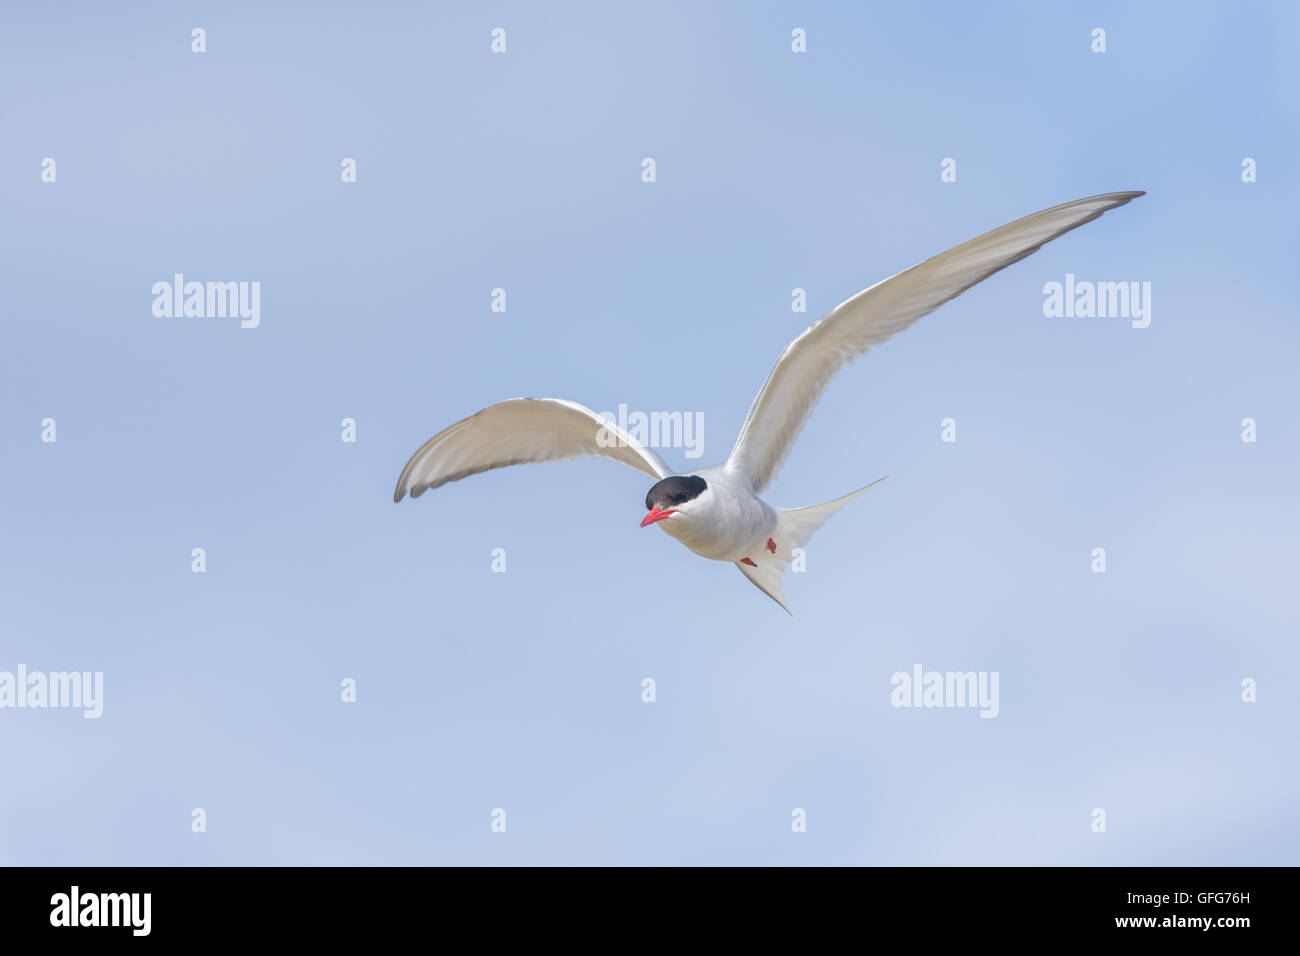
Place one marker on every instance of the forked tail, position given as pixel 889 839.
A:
pixel 794 530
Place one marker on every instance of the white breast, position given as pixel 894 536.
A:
pixel 726 522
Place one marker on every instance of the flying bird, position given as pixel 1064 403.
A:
pixel 717 511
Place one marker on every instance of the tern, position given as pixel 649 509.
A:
pixel 717 511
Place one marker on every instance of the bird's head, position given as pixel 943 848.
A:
pixel 673 498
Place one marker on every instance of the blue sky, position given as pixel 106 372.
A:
pixel 775 170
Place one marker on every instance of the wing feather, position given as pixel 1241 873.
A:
pixel 877 314
pixel 517 432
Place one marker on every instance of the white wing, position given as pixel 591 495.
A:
pixel 877 314
pixel 518 432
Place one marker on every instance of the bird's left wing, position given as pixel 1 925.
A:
pixel 517 432
pixel 877 314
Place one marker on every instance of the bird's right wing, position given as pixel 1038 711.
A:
pixel 877 314
pixel 517 432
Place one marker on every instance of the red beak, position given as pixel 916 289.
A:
pixel 655 515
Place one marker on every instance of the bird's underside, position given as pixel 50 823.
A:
pixel 718 511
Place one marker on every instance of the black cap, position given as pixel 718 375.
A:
pixel 674 491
